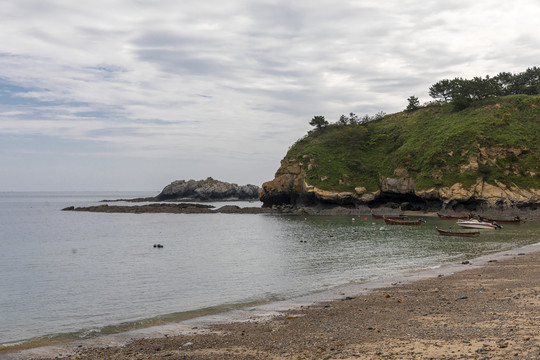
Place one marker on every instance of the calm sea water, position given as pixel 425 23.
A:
pixel 74 273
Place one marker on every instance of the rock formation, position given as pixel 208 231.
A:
pixel 208 189
pixel 290 187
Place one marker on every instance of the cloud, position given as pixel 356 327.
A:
pixel 221 86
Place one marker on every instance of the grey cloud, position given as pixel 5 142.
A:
pixel 179 62
pixel 169 39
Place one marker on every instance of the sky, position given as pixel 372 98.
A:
pixel 132 95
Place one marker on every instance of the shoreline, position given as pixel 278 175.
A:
pixel 202 207
pixel 266 316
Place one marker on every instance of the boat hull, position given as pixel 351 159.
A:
pixel 476 225
pixel 516 220
pixel 402 222
pixel 395 217
pixel 451 217
pixel 458 233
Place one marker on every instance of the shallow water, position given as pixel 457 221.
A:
pixel 77 272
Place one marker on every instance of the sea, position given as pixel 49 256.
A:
pixel 71 275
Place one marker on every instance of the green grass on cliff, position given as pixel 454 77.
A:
pixel 434 144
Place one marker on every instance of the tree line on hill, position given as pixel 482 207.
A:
pixel 320 121
pixel 462 92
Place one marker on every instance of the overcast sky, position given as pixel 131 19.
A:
pixel 132 94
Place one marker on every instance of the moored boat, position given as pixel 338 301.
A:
pixel 402 222
pixel 458 233
pixel 476 224
pixel 396 217
pixel 515 220
pixel 451 217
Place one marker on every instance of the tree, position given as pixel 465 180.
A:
pixel 441 90
pixel 343 120
pixel 414 104
pixel 379 115
pixel 353 119
pixel 318 121
pixel 503 83
pixel 528 82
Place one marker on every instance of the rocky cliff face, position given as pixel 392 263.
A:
pixel 290 187
pixel 208 189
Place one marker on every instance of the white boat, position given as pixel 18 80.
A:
pixel 475 224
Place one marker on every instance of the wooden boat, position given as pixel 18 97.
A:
pixel 458 233
pixel 515 220
pixel 395 217
pixel 476 224
pixel 401 222
pixel 451 217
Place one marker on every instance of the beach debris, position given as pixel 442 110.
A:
pixel 188 344
pixel 462 297
pixel 466 262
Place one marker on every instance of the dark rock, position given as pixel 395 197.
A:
pixel 208 189
pixel 182 208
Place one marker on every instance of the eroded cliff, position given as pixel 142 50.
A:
pixel 290 187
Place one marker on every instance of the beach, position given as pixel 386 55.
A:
pixel 488 308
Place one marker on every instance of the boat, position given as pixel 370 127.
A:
pixel 515 220
pixel 458 233
pixel 395 217
pixel 451 217
pixel 402 222
pixel 476 224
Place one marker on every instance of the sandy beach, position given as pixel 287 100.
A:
pixel 486 309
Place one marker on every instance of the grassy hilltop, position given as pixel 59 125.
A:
pixel 496 139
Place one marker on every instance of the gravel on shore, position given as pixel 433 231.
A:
pixel 488 312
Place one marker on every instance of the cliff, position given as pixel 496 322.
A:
pixel 486 157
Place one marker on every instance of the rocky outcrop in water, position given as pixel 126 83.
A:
pixel 181 208
pixel 209 189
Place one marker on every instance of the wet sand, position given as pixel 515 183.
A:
pixel 486 309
